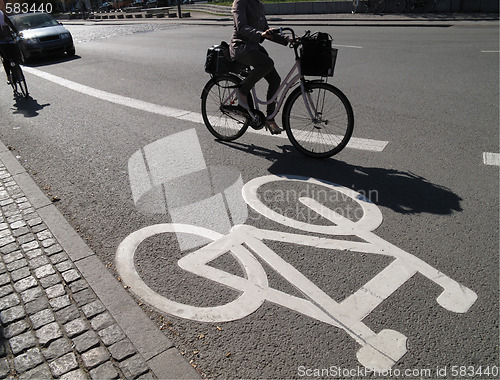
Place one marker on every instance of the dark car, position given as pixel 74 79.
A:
pixel 41 35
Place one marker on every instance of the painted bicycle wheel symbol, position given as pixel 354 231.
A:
pixel 379 351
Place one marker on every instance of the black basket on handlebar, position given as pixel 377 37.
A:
pixel 317 57
pixel 218 60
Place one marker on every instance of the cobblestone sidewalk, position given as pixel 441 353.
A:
pixel 52 323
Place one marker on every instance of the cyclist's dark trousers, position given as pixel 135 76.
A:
pixel 9 52
pixel 263 67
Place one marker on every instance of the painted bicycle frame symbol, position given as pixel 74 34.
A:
pixel 379 351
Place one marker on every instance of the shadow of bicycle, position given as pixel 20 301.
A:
pixel 28 107
pixel 402 192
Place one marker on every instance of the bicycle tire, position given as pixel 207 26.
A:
pixel 221 124
pixel 13 82
pixel 20 80
pixel 397 6
pixel 308 136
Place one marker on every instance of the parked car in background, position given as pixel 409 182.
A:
pixel 40 35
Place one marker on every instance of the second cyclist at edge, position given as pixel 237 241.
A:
pixel 250 30
pixel 8 49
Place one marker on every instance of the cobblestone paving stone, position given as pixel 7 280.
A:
pixel 53 326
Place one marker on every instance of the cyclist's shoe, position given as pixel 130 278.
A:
pixel 273 127
pixel 242 99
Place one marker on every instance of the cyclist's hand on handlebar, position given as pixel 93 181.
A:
pixel 268 34
pixel 275 35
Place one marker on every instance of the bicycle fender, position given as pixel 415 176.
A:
pixel 218 76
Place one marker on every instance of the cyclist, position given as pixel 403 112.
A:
pixel 8 48
pixel 250 30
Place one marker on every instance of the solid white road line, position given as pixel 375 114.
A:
pixel 349 46
pixel 491 158
pixel 355 142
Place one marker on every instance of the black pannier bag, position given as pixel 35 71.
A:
pixel 219 61
pixel 317 57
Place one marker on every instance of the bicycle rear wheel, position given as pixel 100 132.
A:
pixel 217 101
pixel 330 129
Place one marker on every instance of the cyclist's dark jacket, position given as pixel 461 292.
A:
pixel 249 23
pixel 5 28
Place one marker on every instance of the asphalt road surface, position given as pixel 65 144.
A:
pixel 410 288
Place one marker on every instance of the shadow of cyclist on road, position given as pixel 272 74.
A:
pixel 28 107
pixel 402 192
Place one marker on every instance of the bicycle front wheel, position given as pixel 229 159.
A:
pixel 13 82
pixel 329 129
pixel 217 100
pixel 20 80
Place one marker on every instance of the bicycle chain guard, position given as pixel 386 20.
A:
pixel 258 121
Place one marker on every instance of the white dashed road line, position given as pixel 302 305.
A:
pixel 355 142
pixel 491 158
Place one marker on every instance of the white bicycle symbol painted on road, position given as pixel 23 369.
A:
pixel 245 243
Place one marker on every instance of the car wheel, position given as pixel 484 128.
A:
pixel 70 52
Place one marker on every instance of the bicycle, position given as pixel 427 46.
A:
pixel 249 246
pixel 16 76
pixel 374 6
pixel 17 80
pixel 317 117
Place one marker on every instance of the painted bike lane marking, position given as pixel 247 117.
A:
pixel 380 350
pixel 354 143
pixel 491 158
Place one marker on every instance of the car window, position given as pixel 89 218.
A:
pixel 32 21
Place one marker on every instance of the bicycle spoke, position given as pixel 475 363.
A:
pixel 329 128
pixel 222 123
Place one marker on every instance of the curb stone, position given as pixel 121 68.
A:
pixel 62 314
